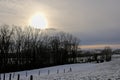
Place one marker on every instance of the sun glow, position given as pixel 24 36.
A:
pixel 38 21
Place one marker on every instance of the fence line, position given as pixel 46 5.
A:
pixel 11 76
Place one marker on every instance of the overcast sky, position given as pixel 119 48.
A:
pixel 93 21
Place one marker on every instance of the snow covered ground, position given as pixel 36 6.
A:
pixel 85 71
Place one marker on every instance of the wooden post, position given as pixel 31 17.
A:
pixel 64 70
pixel 13 74
pixel 10 77
pixel 70 69
pixel 4 76
pixel 31 77
pixel 26 73
pixel 57 71
pixel 48 72
pixel 0 76
pixel 18 78
pixel 39 72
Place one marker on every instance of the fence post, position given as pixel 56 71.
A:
pixel 13 74
pixel 31 77
pixel 26 73
pixel 70 69
pixel 18 78
pixel 10 77
pixel 4 76
pixel 57 71
pixel 0 76
pixel 64 70
pixel 48 72
pixel 39 72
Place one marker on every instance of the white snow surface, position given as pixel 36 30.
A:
pixel 85 71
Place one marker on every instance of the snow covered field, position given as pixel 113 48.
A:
pixel 86 71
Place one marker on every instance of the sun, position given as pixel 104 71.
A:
pixel 38 21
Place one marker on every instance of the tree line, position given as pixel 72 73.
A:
pixel 24 48
pixel 97 55
pixel 29 48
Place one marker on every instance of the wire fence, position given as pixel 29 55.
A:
pixel 27 76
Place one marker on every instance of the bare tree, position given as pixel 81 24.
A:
pixel 6 33
pixel 107 53
pixel 26 47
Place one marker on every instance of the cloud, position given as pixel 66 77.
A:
pixel 93 21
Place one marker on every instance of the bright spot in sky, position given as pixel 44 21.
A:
pixel 38 21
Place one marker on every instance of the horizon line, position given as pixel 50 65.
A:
pixel 100 46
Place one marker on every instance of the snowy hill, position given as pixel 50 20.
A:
pixel 86 71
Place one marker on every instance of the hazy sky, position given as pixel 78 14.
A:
pixel 93 21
